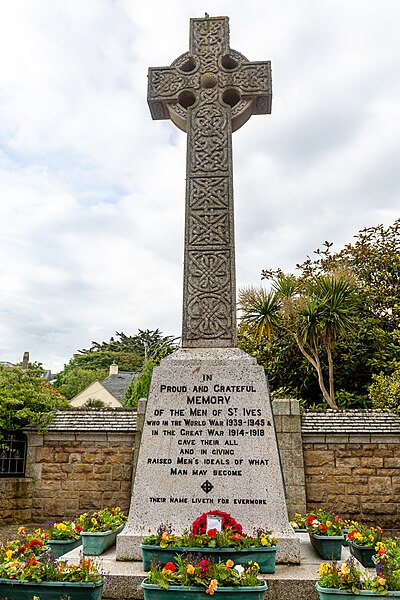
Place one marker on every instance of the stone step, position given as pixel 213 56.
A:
pixel 289 582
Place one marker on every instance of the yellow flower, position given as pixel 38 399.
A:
pixel 9 554
pixel 61 526
pixel 93 520
pixel 381 581
pixel 165 536
pixel 344 569
pixel 190 569
pixel 324 568
pixel 379 546
pixel 264 541
pixel 328 523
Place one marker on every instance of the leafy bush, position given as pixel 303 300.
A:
pixel 385 391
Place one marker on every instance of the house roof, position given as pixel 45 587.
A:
pixel 349 421
pixel 118 384
pixel 94 420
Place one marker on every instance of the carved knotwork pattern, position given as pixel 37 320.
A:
pixel 209 317
pixel 169 83
pixel 208 193
pixel 209 271
pixel 210 141
pixel 209 40
pixel 209 229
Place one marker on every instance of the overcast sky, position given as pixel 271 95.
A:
pixel 92 190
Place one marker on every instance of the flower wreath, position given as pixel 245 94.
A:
pixel 200 524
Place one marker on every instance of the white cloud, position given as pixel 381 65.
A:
pixel 92 190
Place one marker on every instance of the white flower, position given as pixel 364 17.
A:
pixel 239 569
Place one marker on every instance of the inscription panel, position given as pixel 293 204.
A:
pixel 208 440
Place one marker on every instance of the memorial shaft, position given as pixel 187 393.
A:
pixel 209 92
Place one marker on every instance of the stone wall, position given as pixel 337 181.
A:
pixel 78 472
pixel 356 475
pixel 16 499
pixel 346 461
pixel 288 432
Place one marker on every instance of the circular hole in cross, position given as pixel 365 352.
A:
pixel 187 99
pixel 228 62
pixel 188 65
pixel 231 97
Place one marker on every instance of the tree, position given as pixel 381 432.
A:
pixel 140 387
pixel 373 345
pixel 72 381
pixel 26 398
pixel 315 312
pixel 128 352
pixel 385 390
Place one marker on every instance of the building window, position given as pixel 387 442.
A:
pixel 12 455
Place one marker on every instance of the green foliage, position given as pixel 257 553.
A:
pixel 26 398
pixel 314 312
pixel 140 387
pixel 72 381
pixel 128 352
pixel 371 345
pixel 93 403
pixel 385 391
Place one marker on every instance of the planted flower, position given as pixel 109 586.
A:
pixel 100 529
pixel 226 538
pixel 26 575
pixel 387 561
pixel 326 534
pixel 363 535
pixel 205 576
pixel 325 523
pixel 26 545
pixel 347 576
pixel 104 520
pixel 298 521
pixel 230 542
pixel 65 530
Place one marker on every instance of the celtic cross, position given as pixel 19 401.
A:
pixel 209 92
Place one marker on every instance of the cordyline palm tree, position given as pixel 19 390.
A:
pixel 315 312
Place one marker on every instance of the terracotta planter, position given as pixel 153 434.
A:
pixel 60 547
pixel 363 554
pixel 154 592
pixel 328 547
pixel 333 594
pixel 97 542
pixel 264 556
pixel 49 590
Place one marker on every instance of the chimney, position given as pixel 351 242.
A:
pixel 114 369
pixel 25 361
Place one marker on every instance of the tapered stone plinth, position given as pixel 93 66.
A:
pixel 208 443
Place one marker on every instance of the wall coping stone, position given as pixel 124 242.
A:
pixel 349 421
pixel 106 420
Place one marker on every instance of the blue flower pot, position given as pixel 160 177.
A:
pixel 264 556
pixel 97 542
pixel 50 590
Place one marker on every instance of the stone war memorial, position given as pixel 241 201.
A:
pixel 208 439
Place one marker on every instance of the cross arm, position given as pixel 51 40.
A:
pixel 253 81
pixel 164 86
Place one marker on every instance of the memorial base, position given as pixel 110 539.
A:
pixel 208 443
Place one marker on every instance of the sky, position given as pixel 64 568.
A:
pixel 92 190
